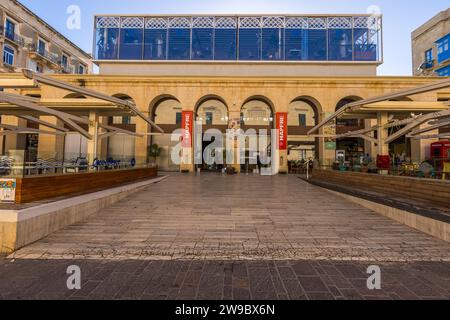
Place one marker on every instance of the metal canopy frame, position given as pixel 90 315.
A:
pixel 10 129
pixel 128 105
pixel 71 120
pixel 392 96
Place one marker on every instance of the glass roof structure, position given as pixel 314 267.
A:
pixel 238 38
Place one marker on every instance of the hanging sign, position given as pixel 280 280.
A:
pixel 187 126
pixel 282 130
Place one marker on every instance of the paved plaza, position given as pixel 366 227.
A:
pixel 232 237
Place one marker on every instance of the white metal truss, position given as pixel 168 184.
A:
pixel 226 23
pixel 372 22
pixel 391 96
pixel 429 128
pixel 113 131
pixel 132 23
pixel 273 22
pixel 203 22
pixel 420 120
pixel 432 136
pixel 108 22
pixel 301 22
pixel 11 130
pixel 296 23
pixel 70 119
pixel 156 23
pixel 127 105
pixel 317 23
pixel 339 23
pixel 42 122
pixel 250 22
pixel 180 23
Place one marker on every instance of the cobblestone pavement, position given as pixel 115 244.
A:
pixel 242 237
pixel 242 217
pixel 239 280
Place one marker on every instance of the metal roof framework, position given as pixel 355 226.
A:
pixel 434 114
pixel 36 105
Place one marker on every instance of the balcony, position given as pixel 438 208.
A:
pixel 67 69
pixel 427 65
pixel 13 37
pixel 51 59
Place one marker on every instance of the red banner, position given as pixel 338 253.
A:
pixel 282 126
pixel 188 128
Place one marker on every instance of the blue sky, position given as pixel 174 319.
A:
pixel 400 17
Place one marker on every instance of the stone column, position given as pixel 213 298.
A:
pixel 51 146
pixel 327 146
pixel 383 133
pixel 103 143
pixel 14 141
pixel 369 146
pixel 141 143
pixel 92 145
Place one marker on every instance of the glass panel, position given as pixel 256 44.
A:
pixel 296 44
pixel 179 44
pixel 317 45
pixel 250 44
pixel 340 44
pixel 10 29
pixel 179 117
pixel 225 44
pixel 209 118
pixel 131 44
pixel 41 47
pixel 8 55
pixel 302 120
pixel 444 72
pixel 107 44
pixel 272 44
pixel 366 44
pixel 443 49
pixel 429 55
pixel 155 44
pixel 202 44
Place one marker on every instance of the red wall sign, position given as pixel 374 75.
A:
pixel 188 127
pixel 282 130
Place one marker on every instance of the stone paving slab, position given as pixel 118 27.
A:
pixel 215 217
pixel 222 280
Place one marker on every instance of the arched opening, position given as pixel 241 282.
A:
pixel 303 115
pixel 257 119
pixel 121 146
pixel 166 112
pixel 74 96
pixel 212 112
pixel 353 148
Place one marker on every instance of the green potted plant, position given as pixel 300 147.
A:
pixel 154 151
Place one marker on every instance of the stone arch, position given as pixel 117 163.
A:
pixel 258 112
pixel 74 95
pixel 156 102
pixel 218 108
pixel 354 147
pixel 123 96
pixel 303 114
pixel 166 110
